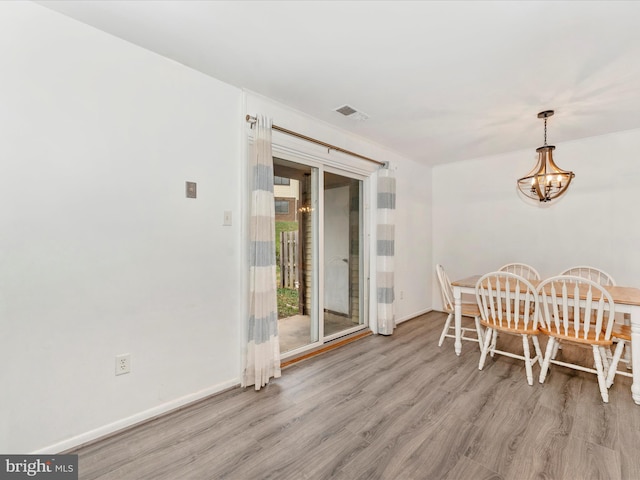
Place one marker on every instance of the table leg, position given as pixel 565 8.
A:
pixel 457 309
pixel 635 353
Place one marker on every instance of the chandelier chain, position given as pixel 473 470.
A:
pixel 545 131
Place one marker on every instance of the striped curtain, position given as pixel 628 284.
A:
pixel 263 348
pixel 385 250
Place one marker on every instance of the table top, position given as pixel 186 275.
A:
pixel 622 295
pixel 467 282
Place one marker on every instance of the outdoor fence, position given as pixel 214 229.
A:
pixel 289 260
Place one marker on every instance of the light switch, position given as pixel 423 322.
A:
pixel 191 189
pixel 227 218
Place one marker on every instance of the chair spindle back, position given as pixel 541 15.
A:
pixel 591 317
pixel 445 289
pixel 592 273
pixel 507 300
pixel 521 269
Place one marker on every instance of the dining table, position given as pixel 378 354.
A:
pixel 626 300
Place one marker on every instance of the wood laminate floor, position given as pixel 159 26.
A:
pixel 391 408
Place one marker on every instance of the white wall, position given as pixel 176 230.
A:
pixel 414 241
pixel 413 261
pixel 100 251
pixel 481 223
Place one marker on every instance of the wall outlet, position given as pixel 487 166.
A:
pixel 123 364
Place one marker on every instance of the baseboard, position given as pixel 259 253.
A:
pixel 137 419
pixel 413 315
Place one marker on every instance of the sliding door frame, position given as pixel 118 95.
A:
pixel 363 297
pixel 298 154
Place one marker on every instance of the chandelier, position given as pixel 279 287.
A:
pixel 546 181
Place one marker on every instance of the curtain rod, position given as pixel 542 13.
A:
pixel 252 120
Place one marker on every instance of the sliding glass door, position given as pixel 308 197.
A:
pixel 319 253
pixel 296 200
pixel 342 254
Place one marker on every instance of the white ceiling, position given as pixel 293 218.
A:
pixel 441 81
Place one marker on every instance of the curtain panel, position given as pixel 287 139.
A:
pixel 262 361
pixel 385 250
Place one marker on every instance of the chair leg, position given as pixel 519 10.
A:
pixel 547 358
pixel 627 357
pixel 445 329
pixel 485 348
pixel 609 353
pixel 479 332
pixel 555 350
pixel 493 343
pixel 605 359
pixel 536 346
pixel 627 351
pixel 602 382
pixel 527 359
pixel 613 366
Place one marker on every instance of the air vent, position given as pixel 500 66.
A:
pixel 349 111
pixel 346 110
